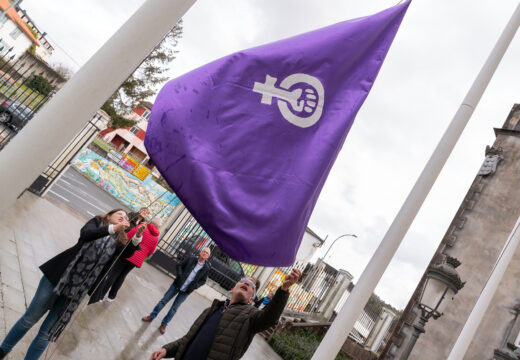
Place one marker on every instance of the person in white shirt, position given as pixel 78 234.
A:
pixel 192 273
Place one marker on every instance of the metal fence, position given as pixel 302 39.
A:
pixel 310 293
pixel 22 93
pixel 184 236
pixel 62 161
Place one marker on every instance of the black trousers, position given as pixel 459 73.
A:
pixel 113 281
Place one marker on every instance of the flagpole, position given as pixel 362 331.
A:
pixel 343 324
pixel 470 328
pixel 30 151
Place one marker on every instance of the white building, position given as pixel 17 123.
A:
pixel 45 50
pixel 130 140
pixel 310 243
pixel 15 34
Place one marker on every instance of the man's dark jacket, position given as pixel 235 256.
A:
pixel 184 269
pixel 235 331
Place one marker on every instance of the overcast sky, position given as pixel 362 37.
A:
pixel 433 61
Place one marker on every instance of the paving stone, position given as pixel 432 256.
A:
pixel 11 316
pixel 31 275
pixel 10 262
pixel 13 298
pixel 8 247
pixel 12 278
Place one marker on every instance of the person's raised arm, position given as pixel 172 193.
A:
pixel 92 231
pixel 269 315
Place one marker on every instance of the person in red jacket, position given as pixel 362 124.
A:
pixel 122 267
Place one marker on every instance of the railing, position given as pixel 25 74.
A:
pixel 59 164
pixel 20 98
pixel 308 295
pixel 184 236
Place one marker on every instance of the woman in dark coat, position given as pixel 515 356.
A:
pixel 68 277
pixel 115 278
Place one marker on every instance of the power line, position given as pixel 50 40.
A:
pixel 63 50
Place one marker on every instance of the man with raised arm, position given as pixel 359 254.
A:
pixel 225 329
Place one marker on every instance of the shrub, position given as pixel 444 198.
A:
pixel 40 84
pixel 298 345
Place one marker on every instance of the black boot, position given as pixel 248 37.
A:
pixel 3 354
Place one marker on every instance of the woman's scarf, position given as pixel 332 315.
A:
pixel 80 275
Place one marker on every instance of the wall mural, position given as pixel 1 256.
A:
pixel 125 187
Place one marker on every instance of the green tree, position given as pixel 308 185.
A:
pixel 116 121
pixel 143 83
pixel 40 84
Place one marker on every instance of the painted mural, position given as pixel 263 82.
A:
pixel 299 298
pixel 125 187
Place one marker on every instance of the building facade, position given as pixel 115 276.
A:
pixel 130 140
pixel 15 34
pixel 45 49
pixel 476 237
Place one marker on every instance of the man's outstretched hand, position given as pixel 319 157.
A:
pixel 290 279
pixel 159 354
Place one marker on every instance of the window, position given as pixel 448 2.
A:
pixel 134 130
pixel 146 114
pixel 3 20
pixel 4 47
pixel 15 33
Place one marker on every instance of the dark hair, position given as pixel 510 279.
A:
pixel 257 284
pixel 121 236
pixel 104 218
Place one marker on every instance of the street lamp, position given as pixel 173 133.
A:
pixel 339 237
pixel 319 262
pixel 442 281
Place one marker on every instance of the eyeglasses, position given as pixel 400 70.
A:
pixel 125 216
pixel 248 282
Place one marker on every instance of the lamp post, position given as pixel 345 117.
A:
pixel 321 260
pixel 442 281
pixel 330 247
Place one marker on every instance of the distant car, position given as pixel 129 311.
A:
pixel 224 270
pixel 15 114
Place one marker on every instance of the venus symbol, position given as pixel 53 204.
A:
pixel 308 101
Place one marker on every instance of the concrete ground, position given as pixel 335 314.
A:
pixel 37 229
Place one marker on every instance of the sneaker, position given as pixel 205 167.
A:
pixel 3 354
pixel 162 329
pixel 109 300
pixel 147 318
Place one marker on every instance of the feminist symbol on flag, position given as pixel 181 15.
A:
pixel 306 100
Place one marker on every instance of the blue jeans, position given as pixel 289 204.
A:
pixel 43 300
pixel 172 291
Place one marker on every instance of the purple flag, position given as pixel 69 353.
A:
pixel 248 140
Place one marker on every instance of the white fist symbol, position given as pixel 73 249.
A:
pixel 302 101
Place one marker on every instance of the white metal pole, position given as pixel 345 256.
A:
pixel 342 325
pixel 67 112
pixel 470 328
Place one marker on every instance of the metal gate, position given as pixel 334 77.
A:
pixel 22 93
pixel 60 163
pixel 184 236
